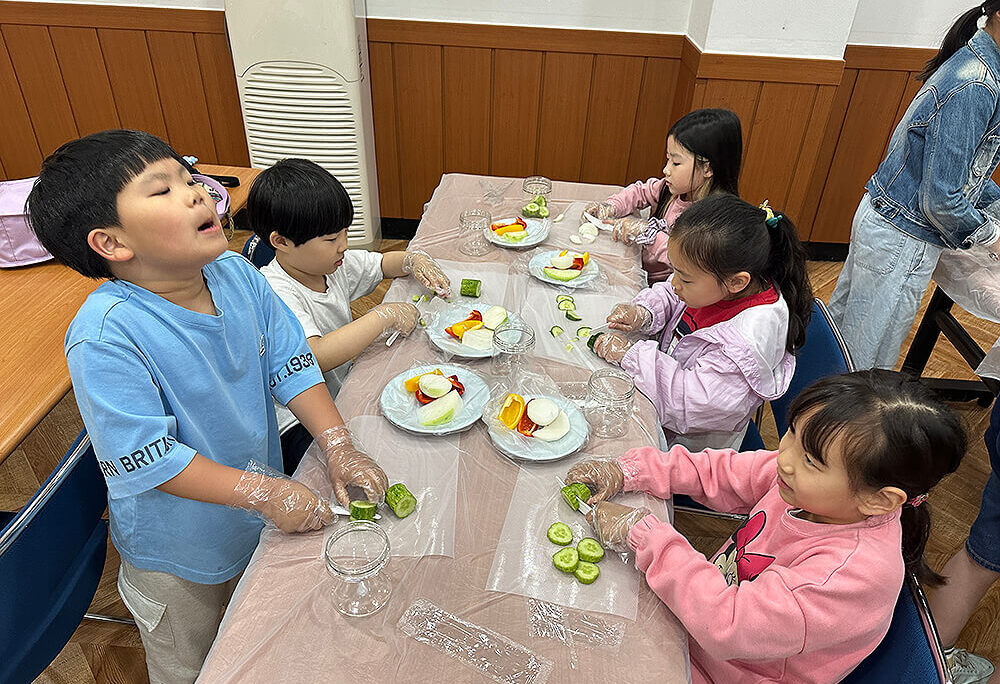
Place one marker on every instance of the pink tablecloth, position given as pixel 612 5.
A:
pixel 281 624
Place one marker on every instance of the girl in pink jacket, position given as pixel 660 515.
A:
pixel 805 589
pixel 729 319
pixel 704 150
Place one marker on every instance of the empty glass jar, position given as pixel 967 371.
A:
pixel 609 402
pixel 473 224
pixel 355 554
pixel 512 342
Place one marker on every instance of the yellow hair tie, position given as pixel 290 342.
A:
pixel 770 218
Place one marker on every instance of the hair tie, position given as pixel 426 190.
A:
pixel 917 500
pixel 771 219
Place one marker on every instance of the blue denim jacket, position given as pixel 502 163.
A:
pixel 935 181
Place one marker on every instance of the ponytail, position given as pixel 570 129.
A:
pixel 786 268
pixel 958 35
pixel 916 523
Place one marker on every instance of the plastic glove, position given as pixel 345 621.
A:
pixel 348 466
pixel 290 505
pixel 420 265
pixel 627 229
pixel 611 347
pixel 611 523
pixel 604 475
pixel 601 210
pixel 396 316
pixel 629 317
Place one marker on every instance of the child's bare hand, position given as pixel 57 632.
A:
pixel 396 316
pixel 421 266
pixel 629 317
pixel 601 210
pixel 611 347
pixel 604 475
pixel 612 522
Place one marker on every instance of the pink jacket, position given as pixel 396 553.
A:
pixel 709 384
pixel 640 195
pixel 784 599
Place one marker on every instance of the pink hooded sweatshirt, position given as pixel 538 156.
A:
pixel 785 599
pixel 707 386
pixel 640 195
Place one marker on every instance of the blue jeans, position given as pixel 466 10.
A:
pixel 983 543
pixel 879 290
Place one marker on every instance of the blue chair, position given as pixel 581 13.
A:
pixel 911 650
pixel 824 353
pixel 258 252
pixel 51 558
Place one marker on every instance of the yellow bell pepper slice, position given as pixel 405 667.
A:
pixel 459 329
pixel 512 410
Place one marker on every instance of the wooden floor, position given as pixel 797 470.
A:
pixel 100 652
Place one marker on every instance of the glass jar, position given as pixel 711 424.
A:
pixel 473 224
pixel 609 402
pixel 355 555
pixel 533 186
pixel 512 342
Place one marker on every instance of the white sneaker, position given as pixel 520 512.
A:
pixel 967 668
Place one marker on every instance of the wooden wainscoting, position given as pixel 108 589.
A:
pixel 69 70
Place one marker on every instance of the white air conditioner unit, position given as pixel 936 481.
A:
pixel 302 71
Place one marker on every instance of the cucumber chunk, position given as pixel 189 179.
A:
pixel 471 287
pixel 555 331
pixel 590 550
pixel 573 493
pixel 559 533
pixel 415 298
pixel 563 297
pixel 362 510
pixel 586 572
pixel 582 490
pixel 399 499
pixel 566 559
pixel 571 315
pixel 593 339
pixel 566 305
pixel 583 331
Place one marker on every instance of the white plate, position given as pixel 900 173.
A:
pixel 538 230
pixel 536 267
pixel 400 407
pixel 517 446
pixel 448 344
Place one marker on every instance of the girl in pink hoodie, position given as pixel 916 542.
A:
pixel 805 589
pixel 729 320
pixel 704 150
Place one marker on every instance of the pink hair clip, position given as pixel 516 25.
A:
pixel 917 500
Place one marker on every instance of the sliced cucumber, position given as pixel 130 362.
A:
pixel 583 331
pixel 569 347
pixel 566 305
pixel 563 297
pixel 543 212
pixel 559 533
pixel 566 559
pixel 555 331
pixel 400 500
pixel 590 550
pixel 471 287
pixel 582 490
pixel 571 497
pixel 415 298
pixel 362 510
pixel 571 315
pixel 593 340
pixel 586 572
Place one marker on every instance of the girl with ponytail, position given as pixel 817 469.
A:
pixel 805 589
pixel 730 319
pixel 929 194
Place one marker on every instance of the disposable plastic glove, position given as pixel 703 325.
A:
pixel 628 229
pixel 604 475
pixel 601 210
pixel 290 505
pixel 396 316
pixel 612 521
pixel 629 317
pixel 611 347
pixel 421 266
pixel 348 466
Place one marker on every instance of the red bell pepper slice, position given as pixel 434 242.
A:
pixel 474 316
pixel 526 426
pixel 456 384
pixel 423 398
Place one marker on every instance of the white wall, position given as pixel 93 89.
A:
pixel 922 23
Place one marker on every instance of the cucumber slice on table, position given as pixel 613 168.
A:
pixel 560 533
pixel 400 500
pixel 362 510
pixel 564 297
pixel 566 559
pixel 471 287
pixel 583 331
pixel 590 550
pixel 571 315
pixel 586 572
pixel 415 298
pixel 566 305
pixel 556 331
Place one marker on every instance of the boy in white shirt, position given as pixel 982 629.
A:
pixel 302 212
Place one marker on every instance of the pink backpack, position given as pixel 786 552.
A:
pixel 18 244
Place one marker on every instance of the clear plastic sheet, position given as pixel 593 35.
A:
pixel 492 654
pixel 972 280
pixel 400 407
pixel 552 621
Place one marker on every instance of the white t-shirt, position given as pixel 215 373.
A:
pixel 323 312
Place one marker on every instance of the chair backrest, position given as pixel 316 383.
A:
pixel 258 252
pixel 51 558
pixel 824 353
pixel 911 650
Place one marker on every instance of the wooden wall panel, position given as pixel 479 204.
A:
pixel 515 103
pixel 796 205
pixel 384 113
pixel 20 155
pixel 130 71
pixel 466 90
pixel 223 99
pixel 739 96
pixel 419 122
pixel 562 124
pixel 653 118
pixel 82 65
pixel 614 99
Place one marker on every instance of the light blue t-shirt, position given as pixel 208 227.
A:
pixel 157 383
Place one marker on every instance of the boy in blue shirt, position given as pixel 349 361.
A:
pixel 175 361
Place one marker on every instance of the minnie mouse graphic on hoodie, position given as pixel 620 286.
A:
pixel 773 603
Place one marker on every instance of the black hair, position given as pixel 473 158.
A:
pixel 299 200
pixel 715 137
pixel 893 432
pixel 724 235
pixel 77 191
pixel 958 35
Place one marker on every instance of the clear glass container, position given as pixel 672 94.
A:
pixel 473 224
pixel 609 402
pixel 355 554
pixel 512 343
pixel 533 186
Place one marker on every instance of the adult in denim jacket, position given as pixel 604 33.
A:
pixel 932 192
